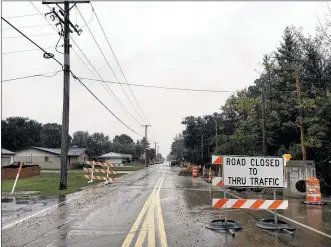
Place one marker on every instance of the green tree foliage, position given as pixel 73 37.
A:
pixel 18 133
pixel 299 58
pixel 80 139
pixel 50 135
pixel 123 139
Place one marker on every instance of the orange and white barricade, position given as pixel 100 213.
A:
pixel 217 181
pixel 250 204
pixel 94 170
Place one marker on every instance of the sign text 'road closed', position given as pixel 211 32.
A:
pixel 253 171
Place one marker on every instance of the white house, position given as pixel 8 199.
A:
pixel 50 158
pixel 116 158
pixel 7 157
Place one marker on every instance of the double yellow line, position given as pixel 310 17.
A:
pixel 152 203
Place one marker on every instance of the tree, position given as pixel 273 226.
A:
pixel 293 124
pixel 18 133
pixel 97 144
pixel 123 139
pixel 50 135
pixel 151 154
pixel 80 139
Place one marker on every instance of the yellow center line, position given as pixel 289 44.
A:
pixel 136 224
pixel 151 225
pixel 163 236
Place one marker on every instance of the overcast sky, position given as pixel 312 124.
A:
pixel 206 45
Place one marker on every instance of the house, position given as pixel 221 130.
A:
pixel 116 158
pixel 7 157
pixel 50 158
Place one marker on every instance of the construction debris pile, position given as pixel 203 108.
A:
pixel 187 171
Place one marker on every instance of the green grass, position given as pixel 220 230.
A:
pixel 48 183
pixel 135 167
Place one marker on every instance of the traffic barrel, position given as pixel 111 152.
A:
pixel 313 191
pixel 195 171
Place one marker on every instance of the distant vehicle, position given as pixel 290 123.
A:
pixel 174 162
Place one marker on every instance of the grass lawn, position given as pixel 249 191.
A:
pixel 135 167
pixel 48 183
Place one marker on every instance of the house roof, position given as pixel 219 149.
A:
pixel 115 155
pixel 5 151
pixel 72 152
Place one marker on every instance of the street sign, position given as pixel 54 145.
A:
pixel 241 171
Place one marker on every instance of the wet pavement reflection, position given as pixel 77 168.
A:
pixel 104 215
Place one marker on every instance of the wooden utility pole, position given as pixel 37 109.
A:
pixel 66 82
pixel 302 133
pixel 264 125
pixel 216 137
pixel 201 149
pixel 146 126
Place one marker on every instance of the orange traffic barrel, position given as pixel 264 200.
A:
pixel 195 170
pixel 313 192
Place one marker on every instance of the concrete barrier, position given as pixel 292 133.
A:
pixel 297 171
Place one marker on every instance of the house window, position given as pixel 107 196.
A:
pixel 46 158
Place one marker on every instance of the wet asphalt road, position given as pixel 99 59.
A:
pixel 158 208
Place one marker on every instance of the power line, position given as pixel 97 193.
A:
pixel 34 35
pixel 77 78
pixel 18 16
pixel 168 88
pixel 104 85
pixel 9 52
pixel 46 54
pixel 119 66
pixel 10 28
pixel 107 61
pixel 30 76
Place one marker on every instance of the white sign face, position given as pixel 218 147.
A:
pixel 253 171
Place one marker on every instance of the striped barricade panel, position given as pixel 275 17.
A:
pixel 99 170
pixel 216 159
pixel 96 163
pixel 250 204
pixel 100 178
pixel 217 181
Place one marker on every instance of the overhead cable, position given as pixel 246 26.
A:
pixel 77 78
pixel 30 76
pixel 46 54
pixel 168 88
pixel 119 67
pixel 106 60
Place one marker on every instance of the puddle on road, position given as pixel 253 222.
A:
pixel 19 193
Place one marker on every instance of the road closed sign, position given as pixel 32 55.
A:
pixel 241 171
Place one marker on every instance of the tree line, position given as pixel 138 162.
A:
pixel 286 110
pixel 18 133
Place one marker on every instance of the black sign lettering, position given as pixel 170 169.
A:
pixel 237 180
pixel 276 163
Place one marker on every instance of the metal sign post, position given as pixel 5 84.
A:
pixel 240 171
pixel 222 225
